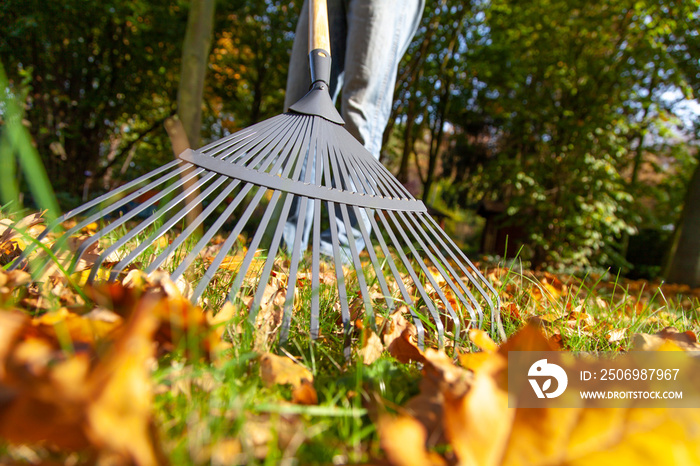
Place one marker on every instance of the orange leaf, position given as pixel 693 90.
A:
pixel 282 370
pixel 403 440
pixel 305 394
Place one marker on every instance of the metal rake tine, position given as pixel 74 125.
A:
pixel 241 134
pixel 293 266
pixel 279 161
pixel 407 264
pixel 204 240
pixel 200 219
pixel 272 252
pixel 347 172
pixel 309 167
pixel 338 265
pixel 187 232
pixel 316 270
pixel 495 309
pixel 211 270
pixel 316 250
pixel 390 261
pixel 371 165
pixel 342 294
pixel 253 146
pixel 428 274
pixel 387 189
pixel 252 249
pixel 149 221
pixel 277 237
pixel 86 207
pixel 441 264
pixel 188 207
pixel 371 188
pixel 352 244
pixel 268 150
pixel 427 232
pixel 85 245
pixel 257 238
pixel 225 247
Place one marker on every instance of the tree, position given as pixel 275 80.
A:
pixel 684 266
pixel 102 76
pixel 553 99
pixel 684 257
pixel 195 58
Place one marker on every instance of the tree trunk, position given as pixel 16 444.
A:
pixel 195 56
pixel 684 265
pixel 402 175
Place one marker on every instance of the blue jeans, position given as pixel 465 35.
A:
pixel 368 39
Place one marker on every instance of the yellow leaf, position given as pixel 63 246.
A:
pixel 482 340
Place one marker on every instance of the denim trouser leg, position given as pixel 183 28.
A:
pixel 368 39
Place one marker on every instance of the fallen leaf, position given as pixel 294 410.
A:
pixel 372 347
pixel 482 340
pixel 686 341
pixel 88 400
pixel 404 349
pixel 617 334
pixel 305 394
pixel 403 440
pixel 282 370
pixel 477 423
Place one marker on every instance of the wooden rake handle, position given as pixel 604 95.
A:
pixel 319 37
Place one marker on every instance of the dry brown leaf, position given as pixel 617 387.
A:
pixel 477 423
pixel 580 319
pixel 226 452
pixel 119 410
pixel 10 231
pixel 404 348
pixel 667 339
pixel 395 325
pixel 79 329
pixel 269 318
pixel 100 401
pixel 10 281
pixel 282 370
pixel 617 334
pixel 219 324
pixel 372 347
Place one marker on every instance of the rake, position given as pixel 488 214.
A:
pixel 300 161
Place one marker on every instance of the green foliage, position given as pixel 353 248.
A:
pixel 249 62
pixel 560 111
pixel 16 148
pixel 98 70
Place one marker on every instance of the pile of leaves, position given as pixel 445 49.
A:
pixel 133 373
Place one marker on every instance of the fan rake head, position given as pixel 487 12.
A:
pixel 265 177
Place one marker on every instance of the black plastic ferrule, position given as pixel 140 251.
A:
pixel 320 64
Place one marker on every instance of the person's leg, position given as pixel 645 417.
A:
pixel 379 32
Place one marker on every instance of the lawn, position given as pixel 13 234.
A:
pixel 132 373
